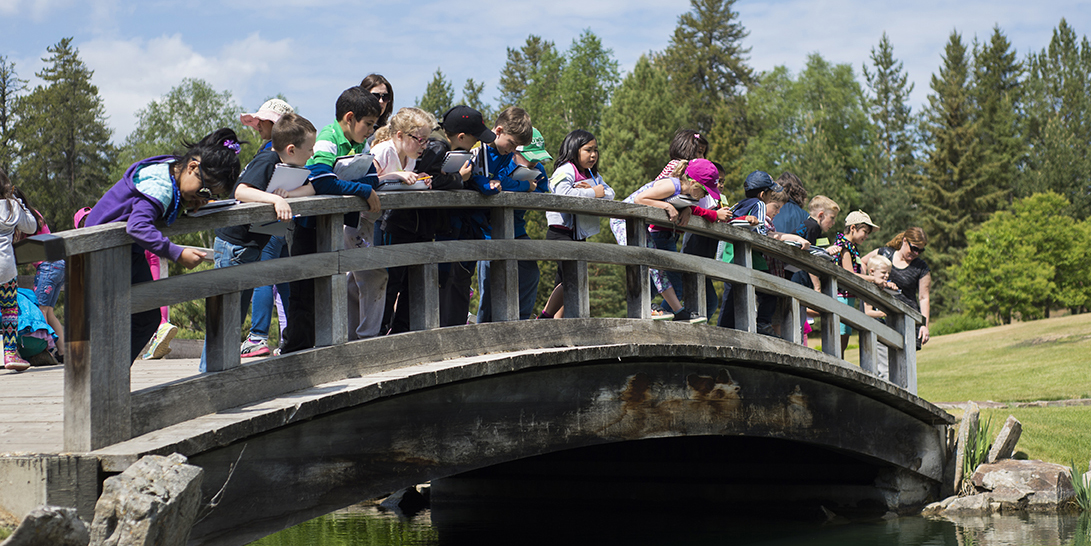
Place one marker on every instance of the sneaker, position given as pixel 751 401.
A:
pixel 659 314
pixel 160 346
pixel 255 346
pixel 766 329
pixel 685 315
pixel 12 361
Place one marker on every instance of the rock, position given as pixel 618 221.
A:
pixel 1051 484
pixel 1005 442
pixel 153 502
pixel 50 525
pixel 405 503
pixel 975 504
pixel 966 428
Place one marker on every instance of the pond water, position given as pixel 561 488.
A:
pixel 370 526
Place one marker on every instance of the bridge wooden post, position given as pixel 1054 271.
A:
pixel 97 405
pixel 869 352
pixel 331 293
pixel 577 297
pixel 790 326
pixel 693 286
pixel 424 303
pixel 744 295
pixel 222 332
pixel 638 295
pixel 504 274
pixel 903 362
pixel 831 322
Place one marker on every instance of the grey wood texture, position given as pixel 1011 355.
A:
pixel 577 294
pixel 638 292
pixel 330 291
pixel 743 294
pixel 222 332
pixel 424 301
pixel 504 274
pixel 39 248
pixel 831 321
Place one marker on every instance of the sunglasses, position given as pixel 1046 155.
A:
pixel 917 249
pixel 382 96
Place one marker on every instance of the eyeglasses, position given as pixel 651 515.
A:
pixel 382 96
pixel 204 192
pixel 416 138
pixel 917 249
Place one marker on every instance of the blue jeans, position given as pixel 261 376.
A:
pixel 668 240
pixel 48 282
pixel 225 254
pixel 261 314
pixel 528 289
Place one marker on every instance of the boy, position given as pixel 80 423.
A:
pixel 357 111
pixel 531 156
pixel 463 127
pixel 823 212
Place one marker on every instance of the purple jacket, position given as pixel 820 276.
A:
pixel 125 203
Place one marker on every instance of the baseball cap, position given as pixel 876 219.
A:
pixel 80 215
pixel 463 119
pixel 535 151
pixel 703 171
pixel 760 180
pixel 859 217
pixel 270 111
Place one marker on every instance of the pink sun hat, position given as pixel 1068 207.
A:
pixel 270 111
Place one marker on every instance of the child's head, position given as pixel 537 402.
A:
pixel 381 89
pixel 409 130
pixel 858 226
pixel 513 128
pixel 759 184
pixel 793 187
pixel 533 153
pixel 824 211
pixel 293 139
pixel 774 201
pixel 688 144
pixel 262 121
pixel 581 150
pixel 358 113
pixel 80 217
pixel 464 127
pixel 208 168
pixel 706 176
pixel 879 266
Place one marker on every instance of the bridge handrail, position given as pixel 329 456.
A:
pixel 98 406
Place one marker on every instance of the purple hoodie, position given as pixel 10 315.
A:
pixel 124 202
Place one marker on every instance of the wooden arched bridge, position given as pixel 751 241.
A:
pixel 287 438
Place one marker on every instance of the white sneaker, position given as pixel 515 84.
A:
pixel 160 346
pixel 254 346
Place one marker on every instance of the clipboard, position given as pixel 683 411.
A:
pixel 454 160
pixel 682 201
pixel 288 177
pixel 525 174
pixel 353 167
pixel 212 207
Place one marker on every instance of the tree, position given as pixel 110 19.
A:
pixel 587 81
pixel 522 69
pixel 706 61
pixel 63 123
pixel 471 96
pixel 997 90
pixel 438 97
pixel 10 87
pixel 886 188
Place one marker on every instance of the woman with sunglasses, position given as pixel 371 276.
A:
pixel 161 188
pixel 910 272
pixel 378 86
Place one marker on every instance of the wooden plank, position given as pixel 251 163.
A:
pixel 97 408
pixel 742 293
pixel 504 273
pixel 330 292
pixel 424 303
pixel 903 361
pixel 39 248
pixel 577 296
pixel 638 294
pixel 790 327
pixel 831 321
pixel 222 332
pixel 869 352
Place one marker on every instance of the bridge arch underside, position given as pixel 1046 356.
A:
pixel 884 448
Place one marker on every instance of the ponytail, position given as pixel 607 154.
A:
pixel 219 156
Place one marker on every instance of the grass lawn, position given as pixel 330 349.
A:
pixel 1057 435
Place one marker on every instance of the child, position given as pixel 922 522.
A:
pixel 531 156
pixel 576 174
pixel 15 216
pixel 395 160
pixel 357 111
pixel 699 177
pixel 858 226
pixel 700 245
pixel 462 128
pixel 791 214
pixel 262 121
pixel 879 269
pixel 823 213
pixel 292 142
pixel 159 189
pixel 48 282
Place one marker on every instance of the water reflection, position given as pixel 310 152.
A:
pixel 368 526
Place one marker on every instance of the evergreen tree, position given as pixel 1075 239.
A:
pixel 954 194
pixel 10 87
pixel 998 94
pixel 438 97
pixel 471 96
pixel 522 68
pixel 887 186
pixel 587 81
pixel 637 128
pixel 63 124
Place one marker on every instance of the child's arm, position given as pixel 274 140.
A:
pixel 655 195
pixel 873 312
pixel 563 182
pixel 430 162
pixel 328 184
pixel 502 170
pixel 786 237
pixel 141 227
pixel 249 194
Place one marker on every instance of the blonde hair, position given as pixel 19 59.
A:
pixel 878 261
pixel 915 235
pixel 409 120
pixel 780 197
pixel 679 169
pixel 822 203
pixel 382 134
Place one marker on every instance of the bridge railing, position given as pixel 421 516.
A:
pixel 100 410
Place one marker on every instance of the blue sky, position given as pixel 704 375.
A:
pixel 310 50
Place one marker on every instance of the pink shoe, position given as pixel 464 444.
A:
pixel 12 361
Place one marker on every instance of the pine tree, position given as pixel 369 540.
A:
pixel 10 87
pixel 998 94
pixel 471 96
pixel 62 127
pixel 521 68
pixel 886 189
pixel 438 97
pixel 531 80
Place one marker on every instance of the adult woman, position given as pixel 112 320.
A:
pixel 377 85
pixel 910 272
pixel 794 212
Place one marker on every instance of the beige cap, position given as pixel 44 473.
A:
pixel 270 111
pixel 859 217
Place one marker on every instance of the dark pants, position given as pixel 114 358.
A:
pixel 299 333
pixel 145 323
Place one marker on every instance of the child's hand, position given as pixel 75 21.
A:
pixel 752 219
pixel 408 178
pixel 672 213
pixel 191 258
pixel 684 216
pixel 834 250
pixel 600 191
pixel 281 192
pixel 466 171
pixel 723 215
pixel 373 203
pixel 426 179
pixel 532 185
pixel 581 185
pixel 494 184
pixel 284 210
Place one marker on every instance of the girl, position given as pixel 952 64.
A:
pixel 48 281
pixel 262 121
pixel 161 188
pixel 695 179
pixel 576 175
pixel 395 160
pixel 15 216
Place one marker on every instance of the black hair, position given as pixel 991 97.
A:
pixel 570 149
pixel 18 194
pixel 359 101
pixel 6 187
pixel 219 156
pixel 750 194
pixel 373 80
pixel 686 143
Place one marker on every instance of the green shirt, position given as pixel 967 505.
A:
pixel 330 144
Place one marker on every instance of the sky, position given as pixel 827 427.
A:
pixel 311 50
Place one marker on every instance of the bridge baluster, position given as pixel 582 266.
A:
pixel 869 352
pixel 743 294
pixel 331 293
pixel 97 406
pixel 424 305
pixel 903 362
pixel 504 274
pixel 638 295
pixel 694 290
pixel 831 322
pixel 790 327
pixel 222 332
pixel 577 300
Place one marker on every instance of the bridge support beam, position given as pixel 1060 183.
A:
pixel 638 295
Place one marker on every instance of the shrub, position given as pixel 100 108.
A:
pixel 953 324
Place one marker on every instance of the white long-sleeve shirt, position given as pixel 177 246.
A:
pixel 13 216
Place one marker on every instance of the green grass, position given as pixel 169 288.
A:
pixel 1057 435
